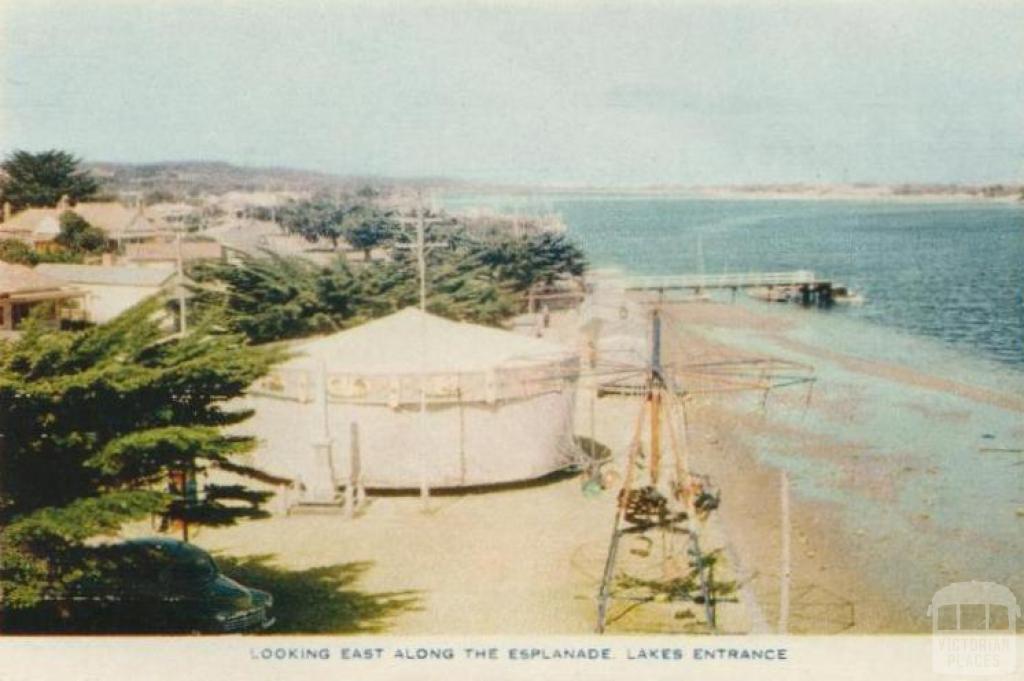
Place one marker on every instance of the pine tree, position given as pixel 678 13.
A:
pixel 42 179
pixel 93 425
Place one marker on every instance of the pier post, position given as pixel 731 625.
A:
pixel 825 295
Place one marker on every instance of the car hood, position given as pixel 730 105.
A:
pixel 226 592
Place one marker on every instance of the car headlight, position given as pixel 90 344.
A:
pixel 222 617
pixel 269 603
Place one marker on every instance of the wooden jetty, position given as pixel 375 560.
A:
pixel 810 288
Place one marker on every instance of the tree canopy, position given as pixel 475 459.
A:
pixel 41 179
pixel 78 236
pixel 356 219
pixel 95 422
pixel 365 228
pixel 20 253
pixel 17 252
pixel 273 298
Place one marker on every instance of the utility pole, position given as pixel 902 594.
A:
pixel 421 255
pixel 421 261
pixel 421 221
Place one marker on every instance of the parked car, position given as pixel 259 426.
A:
pixel 158 586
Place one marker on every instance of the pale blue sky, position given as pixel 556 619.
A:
pixel 584 93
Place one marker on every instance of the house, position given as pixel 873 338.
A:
pixel 109 290
pixel 37 227
pixel 23 289
pixel 40 226
pixel 168 251
pixel 121 223
pixel 173 215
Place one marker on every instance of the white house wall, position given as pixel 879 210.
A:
pixel 104 302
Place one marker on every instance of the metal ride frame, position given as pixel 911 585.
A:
pixel 665 400
pixel 630 519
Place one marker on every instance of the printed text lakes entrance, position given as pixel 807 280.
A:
pixel 517 653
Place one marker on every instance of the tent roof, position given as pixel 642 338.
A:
pixel 413 342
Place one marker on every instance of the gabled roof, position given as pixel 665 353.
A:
pixel 413 342
pixel 28 220
pixel 116 219
pixel 108 275
pixel 22 279
pixel 47 228
pixel 167 251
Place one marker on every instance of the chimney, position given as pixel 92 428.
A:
pixel 7 211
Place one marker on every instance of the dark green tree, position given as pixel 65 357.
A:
pixel 524 262
pixel 41 179
pixel 94 424
pixel 365 228
pixel 17 252
pixel 78 236
pixel 20 253
pixel 275 297
pixel 314 220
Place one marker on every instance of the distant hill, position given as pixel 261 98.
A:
pixel 193 178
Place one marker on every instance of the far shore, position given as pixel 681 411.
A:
pixel 870 194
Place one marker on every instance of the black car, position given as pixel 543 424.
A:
pixel 160 586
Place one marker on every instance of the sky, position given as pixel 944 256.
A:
pixel 556 93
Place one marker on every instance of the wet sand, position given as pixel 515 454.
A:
pixel 528 560
pixel 849 573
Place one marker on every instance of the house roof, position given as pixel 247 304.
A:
pixel 28 220
pixel 166 251
pixel 114 218
pixel 23 279
pixel 415 342
pixel 108 275
pixel 47 228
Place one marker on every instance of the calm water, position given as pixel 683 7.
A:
pixel 953 272
pixel 943 285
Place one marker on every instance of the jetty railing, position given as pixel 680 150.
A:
pixel 728 280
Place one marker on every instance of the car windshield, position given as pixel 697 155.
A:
pixel 192 569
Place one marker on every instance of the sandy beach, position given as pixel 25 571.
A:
pixel 528 559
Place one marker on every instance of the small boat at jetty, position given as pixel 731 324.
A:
pixel 846 296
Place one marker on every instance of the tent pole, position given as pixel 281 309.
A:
pixel 424 451
pixel 325 430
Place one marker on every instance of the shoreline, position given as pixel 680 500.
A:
pixel 881 197
pixel 873 509
pixel 527 561
pixel 828 594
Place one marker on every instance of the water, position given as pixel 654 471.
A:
pixel 952 272
pixel 920 502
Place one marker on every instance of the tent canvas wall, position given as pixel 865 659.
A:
pixel 498 407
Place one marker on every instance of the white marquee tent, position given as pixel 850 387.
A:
pixel 347 407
